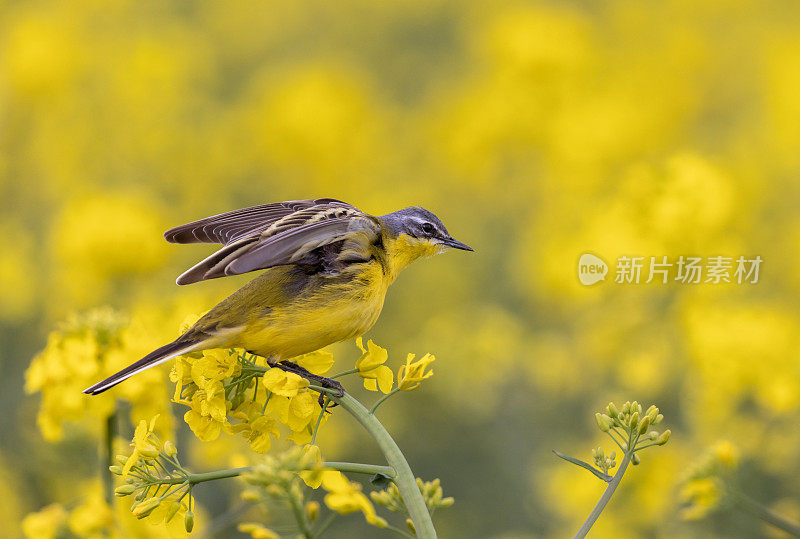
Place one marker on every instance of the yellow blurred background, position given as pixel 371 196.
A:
pixel 536 130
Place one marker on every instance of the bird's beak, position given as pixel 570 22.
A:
pixel 455 244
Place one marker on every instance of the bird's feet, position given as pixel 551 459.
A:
pixel 327 383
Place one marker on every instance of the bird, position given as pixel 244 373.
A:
pixel 328 267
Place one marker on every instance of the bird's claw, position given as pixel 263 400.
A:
pixel 331 384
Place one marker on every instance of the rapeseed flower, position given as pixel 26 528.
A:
pixel 371 367
pixel 346 497
pixel 410 375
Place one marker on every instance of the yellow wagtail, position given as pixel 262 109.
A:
pixel 330 266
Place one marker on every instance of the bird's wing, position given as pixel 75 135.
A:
pixel 289 239
pixel 230 226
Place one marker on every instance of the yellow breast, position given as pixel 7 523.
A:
pixel 330 312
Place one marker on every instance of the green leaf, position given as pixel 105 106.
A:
pixel 605 477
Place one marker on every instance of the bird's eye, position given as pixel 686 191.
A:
pixel 427 228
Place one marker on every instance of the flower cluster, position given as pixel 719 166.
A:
pixel 371 367
pixel 704 488
pixel 602 461
pixel 92 517
pixel 86 348
pixel 630 428
pixel 155 478
pixel 237 392
pixel 431 491
pixel 281 477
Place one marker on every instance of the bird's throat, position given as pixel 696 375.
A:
pixel 404 249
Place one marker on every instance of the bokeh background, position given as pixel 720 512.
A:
pixel 536 130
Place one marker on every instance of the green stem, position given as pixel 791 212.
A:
pixel 357 467
pixel 344 373
pixel 195 478
pixel 405 480
pixel 108 478
pixel 319 420
pixel 614 430
pixel 639 448
pixel 380 401
pixel 758 510
pixel 612 486
pixel 299 514
pixel 351 467
pixel 324 526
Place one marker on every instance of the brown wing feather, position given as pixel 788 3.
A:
pixel 283 240
pixel 230 226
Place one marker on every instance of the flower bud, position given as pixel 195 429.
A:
pixel 146 507
pixel 124 490
pixel 188 521
pixel 170 449
pixel 612 410
pixel 447 502
pixel 658 419
pixel 410 526
pixel 612 455
pixel 626 407
pixel 652 412
pixel 664 438
pixel 634 420
pixel 121 459
pixel 148 452
pixel 312 510
pixel 603 421
pixel 116 470
pixel 644 425
pixel 653 434
pixel 635 459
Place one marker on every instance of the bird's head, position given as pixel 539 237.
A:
pixel 417 232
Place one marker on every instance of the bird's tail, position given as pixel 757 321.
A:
pixel 156 357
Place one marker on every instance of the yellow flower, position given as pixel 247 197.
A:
pixel 46 523
pixel 260 430
pixel 217 364
pixel 204 427
pixel 345 497
pixel 301 411
pixel 312 458
pixel 726 454
pixel 210 400
pixel 318 362
pixel 92 517
pixel 413 372
pixel 286 384
pixel 702 497
pixel 372 369
pixel 257 531
pixel 142 446
pixel 181 375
